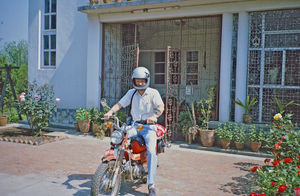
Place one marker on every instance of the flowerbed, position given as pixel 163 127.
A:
pixel 22 135
pixel 280 175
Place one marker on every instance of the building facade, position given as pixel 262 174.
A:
pixel 239 48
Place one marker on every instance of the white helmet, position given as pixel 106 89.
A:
pixel 141 73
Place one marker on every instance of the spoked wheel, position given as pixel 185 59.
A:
pixel 105 181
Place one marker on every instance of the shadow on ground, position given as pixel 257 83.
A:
pixel 82 183
pixel 241 185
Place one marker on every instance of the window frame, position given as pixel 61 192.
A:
pixel 50 32
pixel 159 74
pixel 186 67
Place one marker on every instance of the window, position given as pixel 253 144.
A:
pixel 192 67
pixel 274 59
pixel 49 34
pixel 159 67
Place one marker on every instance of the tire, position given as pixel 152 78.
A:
pixel 102 178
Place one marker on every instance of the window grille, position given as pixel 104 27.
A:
pixel 49 34
pixel 274 62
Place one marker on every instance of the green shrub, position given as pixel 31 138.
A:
pixel 38 104
pixel 255 135
pixel 281 176
pixel 225 131
pixel 239 133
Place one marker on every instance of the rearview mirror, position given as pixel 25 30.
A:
pixel 103 102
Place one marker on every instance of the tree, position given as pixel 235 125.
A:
pixel 16 54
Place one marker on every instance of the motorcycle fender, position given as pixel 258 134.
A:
pixel 108 155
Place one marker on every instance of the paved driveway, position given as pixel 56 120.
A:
pixel 66 167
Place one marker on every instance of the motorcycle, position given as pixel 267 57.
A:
pixel 125 159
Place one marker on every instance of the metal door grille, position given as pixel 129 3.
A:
pixel 172 92
pixel 274 62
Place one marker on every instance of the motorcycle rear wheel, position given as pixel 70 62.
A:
pixel 102 178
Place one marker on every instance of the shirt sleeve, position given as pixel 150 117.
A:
pixel 125 100
pixel 157 100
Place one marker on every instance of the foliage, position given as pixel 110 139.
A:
pixel 187 118
pixel 239 133
pixel 225 131
pixel 100 132
pixel 122 116
pixel 15 54
pixel 282 107
pixel 184 121
pixel 206 106
pixel 248 105
pixel 38 104
pixel 82 114
pixel 281 176
pixel 256 135
pixel 96 116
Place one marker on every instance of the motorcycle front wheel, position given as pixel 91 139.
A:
pixel 102 182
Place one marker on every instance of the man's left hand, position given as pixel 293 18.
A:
pixel 151 120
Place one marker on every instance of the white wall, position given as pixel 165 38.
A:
pixel 69 77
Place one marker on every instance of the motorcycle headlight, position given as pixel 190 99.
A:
pixel 116 137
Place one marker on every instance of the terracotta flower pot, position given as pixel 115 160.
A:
pixel 3 120
pixel 239 146
pixel 225 144
pixel 255 146
pixel 84 125
pixel 207 137
pixel 247 119
pixel 76 127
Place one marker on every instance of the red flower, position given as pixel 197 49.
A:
pixel 279 142
pixel 282 188
pixel 299 157
pixel 280 127
pixel 287 160
pixel 261 194
pixel 277 145
pixel 267 160
pixel 254 169
pixel 276 162
pixel 297 191
pixel 283 137
pixel 273 183
pixel 278 155
pixel 298 172
pixel 298 167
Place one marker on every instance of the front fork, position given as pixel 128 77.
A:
pixel 117 168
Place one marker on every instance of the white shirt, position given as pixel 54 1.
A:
pixel 142 105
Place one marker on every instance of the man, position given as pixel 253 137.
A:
pixel 147 106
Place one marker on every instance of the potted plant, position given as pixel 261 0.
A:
pixel 3 119
pixel 83 119
pixel 97 122
pixel 256 137
pixel 239 136
pixel 187 121
pixel 247 118
pixel 225 134
pixel 184 123
pixel 207 136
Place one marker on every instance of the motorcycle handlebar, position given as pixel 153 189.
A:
pixel 113 117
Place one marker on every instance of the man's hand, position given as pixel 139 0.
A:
pixel 151 120
pixel 113 110
pixel 108 114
